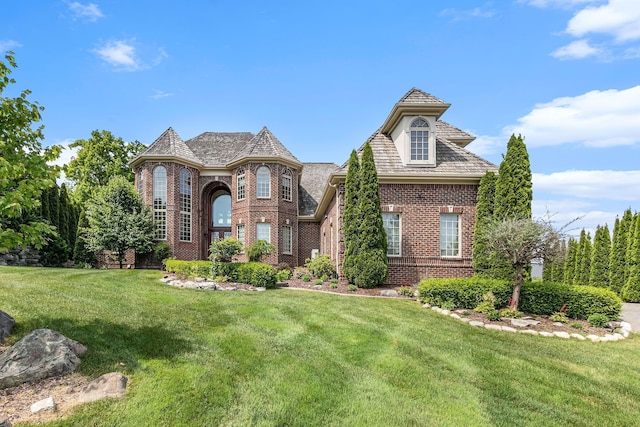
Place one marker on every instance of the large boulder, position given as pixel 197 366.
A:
pixel 110 385
pixel 6 324
pixel 41 354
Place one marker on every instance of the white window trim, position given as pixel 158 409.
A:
pixel 187 214
pixel 287 250
pixel 265 224
pixel 268 196
pixel 159 223
pixel 399 234
pixel 459 237
pixel 241 174
pixel 286 174
pixel 431 145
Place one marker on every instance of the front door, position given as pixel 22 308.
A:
pixel 220 215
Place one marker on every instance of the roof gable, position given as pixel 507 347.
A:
pixel 217 149
pixel 264 146
pixel 169 144
pixel 414 103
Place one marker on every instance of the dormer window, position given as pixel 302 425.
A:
pixel 419 134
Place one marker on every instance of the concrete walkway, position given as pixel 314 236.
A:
pixel 631 314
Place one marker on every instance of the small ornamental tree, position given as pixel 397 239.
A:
pixel 570 261
pixel 584 268
pixel 482 262
pixel 371 260
pixel 600 255
pixel 518 241
pixel 81 252
pixel 24 172
pixel 118 220
pixel 259 249
pixel 224 250
pixel 351 217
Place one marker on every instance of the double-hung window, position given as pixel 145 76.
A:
pixel 263 182
pixel 449 235
pixel 263 231
pixel 160 202
pixel 391 224
pixel 185 205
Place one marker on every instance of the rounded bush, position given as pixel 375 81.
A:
pixel 598 320
pixel 463 292
pixel 321 266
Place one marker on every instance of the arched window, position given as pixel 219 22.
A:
pixel 286 185
pixel 160 202
pixel 419 140
pixel 240 184
pixel 185 205
pixel 263 178
pixel 141 182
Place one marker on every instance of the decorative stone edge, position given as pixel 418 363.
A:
pixel 625 328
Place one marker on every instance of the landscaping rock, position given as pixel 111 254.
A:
pixel 562 334
pixel 528 331
pixel 6 324
pixel 593 338
pixel 454 315
pixel 44 405
pixel 508 329
pixel 476 323
pixel 4 422
pixel 578 336
pixel 110 385
pixel 523 323
pixel 546 334
pixel 493 327
pixel 388 293
pixel 625 326
pixel 445 312
pixel 41 354
pixel 426 305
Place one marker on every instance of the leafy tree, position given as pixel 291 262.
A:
pixel 631 290
pixel 371 260
pixel 570 261
pixel 351 217
pixel 225 249
pixel 600 256
pixel 54 205
pixel 618 260
pixel 118 220
pixel 24 173
pixel 482 262
pixel 518 241
pixel 557 275
pixel 99 159
pixel 81 252
pixel 259 249
pixel 63 214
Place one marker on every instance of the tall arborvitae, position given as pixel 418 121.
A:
pixel 482 259
pixel 44 206
pixel 570 261
pixel 371 262
pixel 513 195
pixel 81 253
pixel 73 223
pixel 513 186
pixel 631 290
pixel 351 217
pixel 583 262
pixel 559 264
pixel 63 215
pixel 54 205
pixel 630 259
pixel 618 260
pixel 600 256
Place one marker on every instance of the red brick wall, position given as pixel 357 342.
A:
pixel 309 239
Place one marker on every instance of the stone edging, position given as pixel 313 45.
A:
pixel 624 326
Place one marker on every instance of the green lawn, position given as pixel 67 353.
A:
pixel 293 358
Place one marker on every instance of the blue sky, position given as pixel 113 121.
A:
pixel 322 76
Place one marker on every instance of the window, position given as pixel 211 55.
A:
pixel 160 202
pixel 419 140
pixel 185 205
pixel 391 224
pixel 263 232
pixel 141 182
pixel 449 235
pixel 286 185
pixel 287 241
pixel 263 176
pixel 240 184
pixel 221 209
pixel 240 234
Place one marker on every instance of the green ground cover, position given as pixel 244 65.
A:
pixel 286 357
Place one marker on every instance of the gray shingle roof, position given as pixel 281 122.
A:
pixel 451 160
pixel 264 145
pixel 170 144
pixel 416 96
pixel 453 134
pixel 313 182
pixel 218 148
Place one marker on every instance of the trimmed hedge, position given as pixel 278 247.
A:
pixel 581 301
pixel 538 298
pixel 189 269
pixel 252 273
pixel 463 293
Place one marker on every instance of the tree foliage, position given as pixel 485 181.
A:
pixel 82 254
pixel 224 250
pixel 350 218
pixel 570 261
pixel 600 256
pixel 118 220
pixel 99 159
pixel 482 260
pixel 631 290
pixel 618 260
pixel 519 240
pixel 24 173
pixel 514 186
pixel 583 263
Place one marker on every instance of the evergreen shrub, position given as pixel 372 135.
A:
pixel 321 266
pixel 189 269
pixel 463 292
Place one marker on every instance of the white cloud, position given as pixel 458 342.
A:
pixel 572 215
pixel 467 14
pixel 158 94
pixel 484 144
pixel 121 54
pixel 90 12
pixel 594 185
pixel 596 118
pixel 66 155
pixel 6 45
pixel 564 4
pixel 618 18
pixel 576 50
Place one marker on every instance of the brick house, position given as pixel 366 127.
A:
pixel 251 187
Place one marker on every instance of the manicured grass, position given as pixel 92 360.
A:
pixel 286 357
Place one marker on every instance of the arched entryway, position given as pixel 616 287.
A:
pixel 219 214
